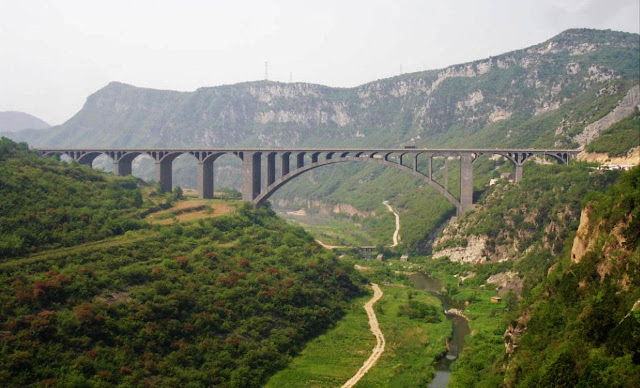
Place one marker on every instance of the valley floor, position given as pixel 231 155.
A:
pixel 410 350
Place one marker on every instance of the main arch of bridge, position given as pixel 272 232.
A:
pixel 260 180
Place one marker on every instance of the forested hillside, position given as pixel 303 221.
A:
pixel 218 302
pixel 564 254
pixel 46 203
pixel 584 319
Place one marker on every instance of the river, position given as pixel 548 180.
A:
pixel 460 329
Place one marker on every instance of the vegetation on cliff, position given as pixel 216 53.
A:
pixel 577 321
pixel 585 316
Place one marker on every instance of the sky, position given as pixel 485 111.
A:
pixel 53 54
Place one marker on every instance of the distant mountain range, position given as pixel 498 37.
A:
pixel 17 121
pixel 559 93
pixel 543 95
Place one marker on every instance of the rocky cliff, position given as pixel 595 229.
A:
pixel 499 100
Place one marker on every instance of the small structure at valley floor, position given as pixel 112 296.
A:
pixel 496 299
pixel 380 257
pixel 507 175
pixel 404 257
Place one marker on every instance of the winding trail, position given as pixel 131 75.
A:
pixel 375 329
pixel 396 234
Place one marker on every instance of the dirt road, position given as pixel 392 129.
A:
pixel 375 329
pixel 396 234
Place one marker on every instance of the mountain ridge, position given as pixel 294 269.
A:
pixel 12 121
pixel 406 108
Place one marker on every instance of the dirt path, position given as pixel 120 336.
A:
pixel 327 246
pixel 396 234
pixel 375 329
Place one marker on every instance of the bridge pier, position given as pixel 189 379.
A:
pixel 251 175
pixel 205 179
pixel 466 183
pixel 122 167
pixel 163 175
pixel 518 174
pixel 285 166
pixel 271 168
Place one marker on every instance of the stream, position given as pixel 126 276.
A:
pixel 460 329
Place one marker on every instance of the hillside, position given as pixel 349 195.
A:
pixel 47 204
pixel 224 301
pixel 17 121
pixel 563 254
pixel 559 93
pixel 583 324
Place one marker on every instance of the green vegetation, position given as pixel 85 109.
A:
pixel 531 220
pixel 619 138
pixel 575 324
pixel 584 330
pixel 218 302
pixel 46 203
pixel 412 344
pixel 338 231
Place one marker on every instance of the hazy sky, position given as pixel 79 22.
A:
pixel 53 54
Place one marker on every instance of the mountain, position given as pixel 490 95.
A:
pixel 17 121
pixel 559 93
pixel 542 95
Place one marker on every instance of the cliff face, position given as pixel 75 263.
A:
pixel 501 96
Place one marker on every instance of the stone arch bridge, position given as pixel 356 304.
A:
pixel 259 165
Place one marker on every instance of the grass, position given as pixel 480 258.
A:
pixel 332 231
pixel 334 357
pixel 191 210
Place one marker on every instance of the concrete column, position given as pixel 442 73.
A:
pixel 271 168
pixel 205 179
pixel 415 162
pixel 122 168
pixel 163 174
pixel 430 167
pixel 284 166
pixel 251 175
pixel 300 160
pixel 446 172
pixel 466 183
pixel 518 172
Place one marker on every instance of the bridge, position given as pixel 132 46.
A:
pixel 259 165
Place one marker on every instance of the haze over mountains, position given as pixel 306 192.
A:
pixel 17 121
pixel 539 96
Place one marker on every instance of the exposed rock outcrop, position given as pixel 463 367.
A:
pixel 623 110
